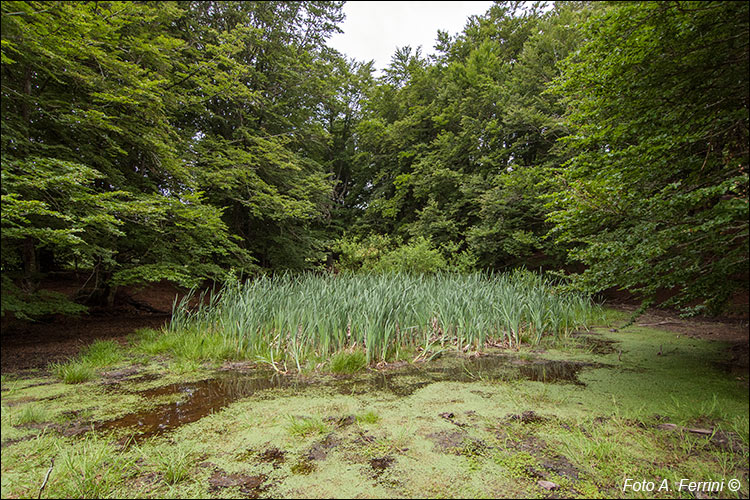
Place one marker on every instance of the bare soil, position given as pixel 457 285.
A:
pixel 32 346
pixel 735 331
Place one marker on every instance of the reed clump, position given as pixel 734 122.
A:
pixel 291 318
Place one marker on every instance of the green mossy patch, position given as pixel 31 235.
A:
pixel 453 427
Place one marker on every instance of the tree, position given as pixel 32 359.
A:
pixel 91 171
pixel 257 104
pixel 452 149
pixel 655 195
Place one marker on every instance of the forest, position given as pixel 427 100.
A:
pixel 195 141
pixel 238 263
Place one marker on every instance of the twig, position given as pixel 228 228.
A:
pixel 656 324
pixel 46 478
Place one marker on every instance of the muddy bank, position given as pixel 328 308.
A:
pixel 32 346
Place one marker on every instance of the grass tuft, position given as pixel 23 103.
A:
pixel 102 353
pixel 305 426
pixel 174 464
pixel 73 372
pixel 369 417
pixel 91 469
pixel 348 362
pixel 31 414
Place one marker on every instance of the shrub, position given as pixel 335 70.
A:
pixel 417 257
pixel 361 255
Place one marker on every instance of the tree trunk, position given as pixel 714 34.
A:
pixel 30 264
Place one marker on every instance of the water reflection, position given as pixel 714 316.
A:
pixel 195 400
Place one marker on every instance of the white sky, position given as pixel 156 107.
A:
pixel 373 30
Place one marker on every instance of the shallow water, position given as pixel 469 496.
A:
pixel 199 399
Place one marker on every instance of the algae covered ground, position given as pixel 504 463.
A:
pixel 603 414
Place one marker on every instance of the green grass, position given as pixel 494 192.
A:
pixel 73 372
pixel 348 362
pixel 188 346
pixel 99 354
pixel 102 353
pixel 305 426
pixel 368 417
pixel 174 463
pixel 94 468
pixel 31 413
pixel 603 431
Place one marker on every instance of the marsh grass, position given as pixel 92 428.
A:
pixel 101 353
pixel 174 463
pixel 98 354
pixel 73 372
pixel 182 366
pixel 286 319
pixel 368 417
pixel 348 362
pixel 31 414
pixel 188 346
pixel 91 469
pixel 305 426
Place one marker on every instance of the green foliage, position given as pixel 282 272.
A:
pixel 355 254
pixel 417 257
pixel 32 304
pixel 453 151
pixel 655 195
pixel 176 140
pixel 119 159
pixel 380 254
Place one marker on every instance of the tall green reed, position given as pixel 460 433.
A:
pixel 290 317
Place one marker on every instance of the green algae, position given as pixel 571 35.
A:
pixel 454 427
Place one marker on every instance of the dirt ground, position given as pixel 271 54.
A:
pixel 29 346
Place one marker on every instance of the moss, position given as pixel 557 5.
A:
pixel 447 438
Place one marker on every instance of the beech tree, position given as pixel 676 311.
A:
pixel 655 195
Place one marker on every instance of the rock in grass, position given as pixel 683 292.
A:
pixel 666 427
pixel 547 485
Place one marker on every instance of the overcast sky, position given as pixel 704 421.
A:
pixel 373 30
